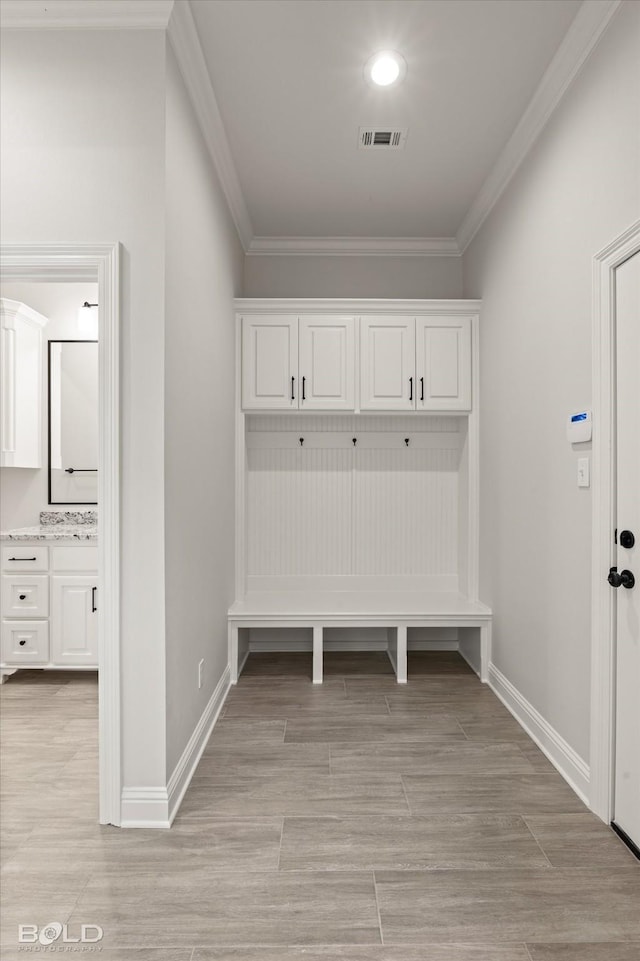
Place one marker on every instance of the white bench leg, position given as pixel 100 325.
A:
pixel 485 651
pixel 401 655
pixel 233 653
pixel 317 655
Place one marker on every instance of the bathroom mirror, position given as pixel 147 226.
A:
pixel 73 422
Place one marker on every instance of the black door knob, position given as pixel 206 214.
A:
pixel 627 539
pixel 622 579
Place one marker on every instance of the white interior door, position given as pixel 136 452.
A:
pixel 387 363
pixel 443 363
pixel 270 363
pixel 326 363
pixel 627 715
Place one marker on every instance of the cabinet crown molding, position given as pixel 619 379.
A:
pixel 12 309
pixel 354 307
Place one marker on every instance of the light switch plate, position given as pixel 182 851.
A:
pixel 583 472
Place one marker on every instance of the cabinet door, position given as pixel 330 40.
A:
pixel 443 367
pixel 326 366
pixel 74 621
pixel 387 363
pixel 20 385
pixel 269 362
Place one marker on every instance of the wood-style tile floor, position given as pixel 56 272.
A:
pixel 357 821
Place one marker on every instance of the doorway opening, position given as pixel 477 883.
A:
pixel 73 620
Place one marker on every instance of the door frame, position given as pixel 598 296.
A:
pixel 95 263
pixel 603 505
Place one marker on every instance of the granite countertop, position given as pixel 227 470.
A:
pixel 58 526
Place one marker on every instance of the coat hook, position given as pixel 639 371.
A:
pixel 406 440
pixel 301 441
pixel 354 441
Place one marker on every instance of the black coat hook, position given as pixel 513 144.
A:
pixel 301 441
pixel 354 441
pixel 406 440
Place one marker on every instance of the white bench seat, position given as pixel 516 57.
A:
pixel 394 610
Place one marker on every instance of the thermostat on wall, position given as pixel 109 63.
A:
pixel 579 427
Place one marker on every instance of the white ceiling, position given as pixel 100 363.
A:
pixel 287 76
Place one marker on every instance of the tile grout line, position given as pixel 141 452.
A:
pixel 544 853
pixel 526 947
pixel 406 796
pixel 280 845
pixel 375 891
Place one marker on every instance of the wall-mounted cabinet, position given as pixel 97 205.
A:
pixel 295 361
pixel 292 363
pixel 20 385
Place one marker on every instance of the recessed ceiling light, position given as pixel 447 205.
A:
pixel 385 68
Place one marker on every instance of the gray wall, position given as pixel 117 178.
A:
pixel 83 162
pixel 405 277
pixel 203 273
pixel 531 263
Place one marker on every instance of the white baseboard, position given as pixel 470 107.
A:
pixel 567 762
pixel 184 769
pixel 145 807
pixel 156 807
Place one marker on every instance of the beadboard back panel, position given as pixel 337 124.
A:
pixel 368 512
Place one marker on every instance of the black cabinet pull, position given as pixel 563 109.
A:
pixel 293 396
pixel 422 388
pixel 303 393
pixel 23 597
pixel 411 388
pixel 93 600
pixel 23 558
pixel 22 642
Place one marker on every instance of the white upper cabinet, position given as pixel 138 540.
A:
pixel 387 363
pixel 270 362
pixel 21 409
pixel 326 363
pixel 443 363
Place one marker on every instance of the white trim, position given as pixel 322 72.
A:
pixel 96 262
pixel 186 766
pixel 590 22
pixel 567 762
pixel 603 518
pixel 145 807
pixel 328 305
pixel 183 36
pixel 80 15
pixel 354 246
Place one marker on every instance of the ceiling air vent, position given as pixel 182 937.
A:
pixel 381 138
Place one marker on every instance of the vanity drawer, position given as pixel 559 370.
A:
pixel 18 558
pixel 74 557
pixel 25 642
pixel 24 596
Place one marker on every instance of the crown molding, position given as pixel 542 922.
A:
pixel 354 247
pixel 183 36
pixel 81 15
pixel 588 26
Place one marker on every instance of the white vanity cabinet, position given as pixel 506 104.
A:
pixel 49 605
pixel 20 385
pixel 297 362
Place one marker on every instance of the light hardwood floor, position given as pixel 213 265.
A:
pixel 357 821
